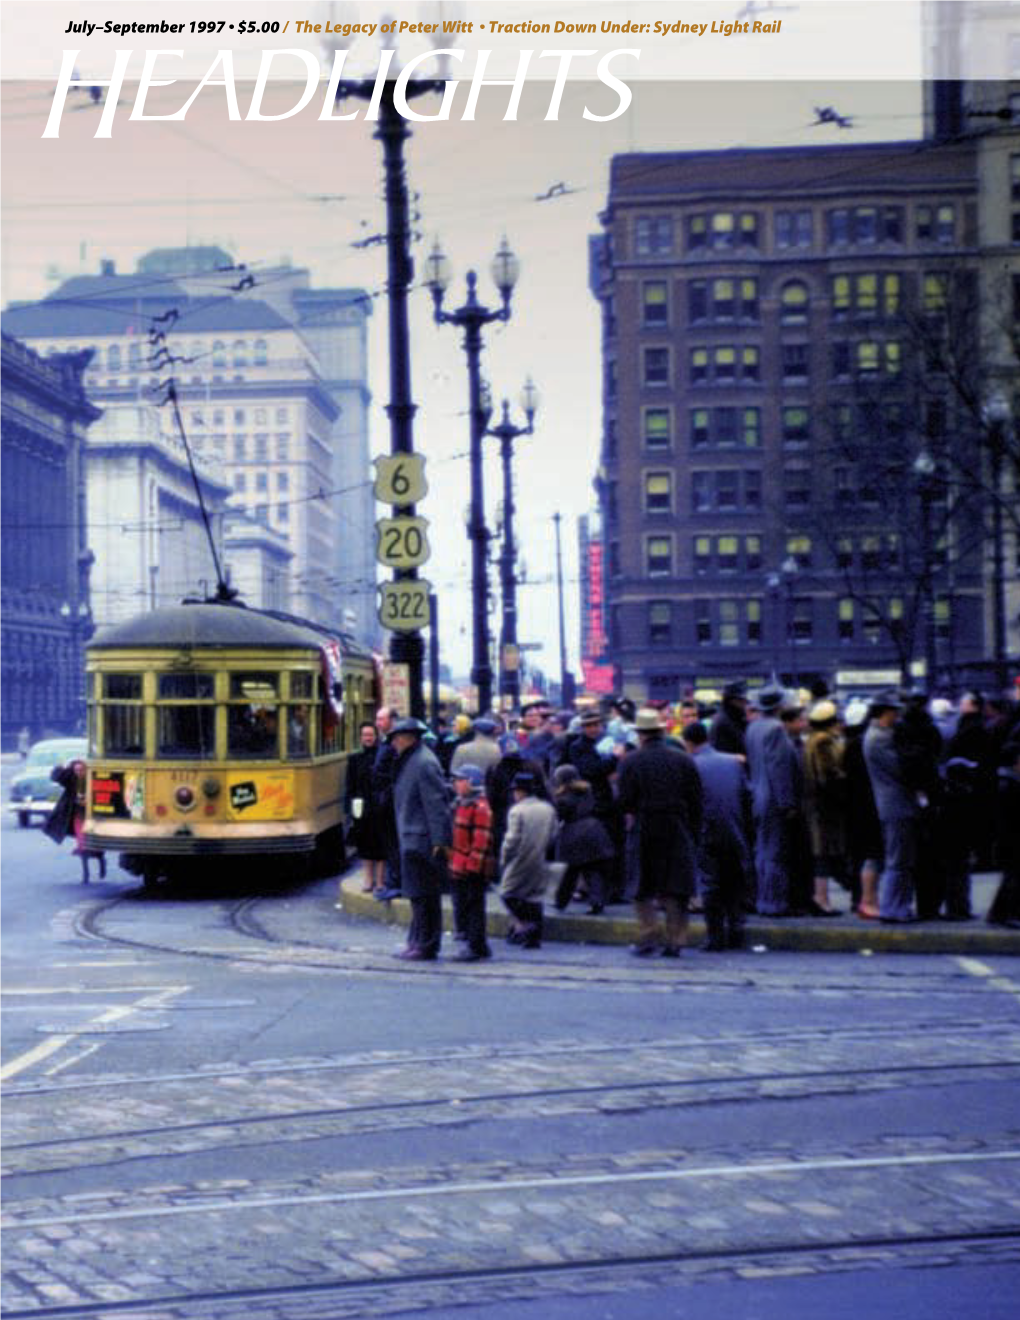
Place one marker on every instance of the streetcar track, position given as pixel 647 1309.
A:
pixel 382 1108
pixel 535 1277
pixel 538 1051
pixel 538 971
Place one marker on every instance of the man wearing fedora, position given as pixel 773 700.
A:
pixel 661 796
pixel 728 729
pixel 773 764
pixel 597 768
pixel 424 829
pixel 531 824
pixel 898 811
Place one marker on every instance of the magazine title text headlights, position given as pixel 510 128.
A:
pixel 221 74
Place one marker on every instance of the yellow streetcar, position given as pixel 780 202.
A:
pixel 220 731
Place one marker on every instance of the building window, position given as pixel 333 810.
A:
pixel 752 619
pixel 240 353
pixel 658 429
pixel 658 492
pixel 656 366
pixel 655 308
pixel 660 622
pixel 943 617
pixel 614 559
pixel 262 514
pixel 729 628
pixel 113 360
pixel 697 301
pixel 796 488
pixel 799 548
pixel 703 622
pixel 238 416
pixel 699 365
pixel 751 420
pixel 936 223
pixel 839 227
pixel 219 353
pixel 726 489
pixel 871 553
pixel 865 224
pixel 793 229
pixel 702 554
pixel 659 556
pixel 892 224
pixel 752 488
pixel 844 552
pixel 262 448
pixel 652 235
pixel 282 481
pixel 752 553
pixel 240 448
pixel 841 296
pixel 725 420
pixel 282 416
pixel 261 353
pixel 283 513
pixel 240 482
pixel 794 363
pixel 283 448
pixel 701 492
pixel 802 623
pixel 260 417
pixel 727 551
pixel 890 295
pixel 796 427
pixel 724 298
pixel 697 232
pixel 793 303
pixel 845 619
pixel 261 481
pixel 725 363
pixel 841 360
pixel 750 363
pixel 700 433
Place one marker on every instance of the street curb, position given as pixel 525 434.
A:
pixel 847 934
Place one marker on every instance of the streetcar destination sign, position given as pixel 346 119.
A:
pixel 404 605
pixel 401 542
pixel 400 478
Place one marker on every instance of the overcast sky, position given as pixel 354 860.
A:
pixel 309 191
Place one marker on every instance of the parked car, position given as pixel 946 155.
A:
pixel 33 792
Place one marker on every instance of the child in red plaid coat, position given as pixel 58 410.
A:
pixel 471 861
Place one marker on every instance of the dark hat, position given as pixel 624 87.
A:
pixel 625 706
pixel 525 779
pixel 887 700
pixel 592 716
pixel 472 773
pixel 408 725
pixel 485 726
pixel 536 703
pixel 565 774
pixel 735 691
pixel 770 698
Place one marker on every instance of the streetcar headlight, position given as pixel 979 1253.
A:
pixel 184 797
pixel 211 787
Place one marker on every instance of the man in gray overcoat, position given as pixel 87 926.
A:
pixel 898 810
pixel 424 829
pixel 530 827
pixel 777 792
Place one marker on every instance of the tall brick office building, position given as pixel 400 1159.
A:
pixel 769 386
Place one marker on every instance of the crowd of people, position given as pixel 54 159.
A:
pixel 772 803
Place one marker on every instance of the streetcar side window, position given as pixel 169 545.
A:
pixel 301 730
pixel 123 715
pixel 253 716
pixel 187 728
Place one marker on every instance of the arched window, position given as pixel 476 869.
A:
pixel 240 353
pixel 261 352
pixel 113 357
pixel 793 303
pixel 219 353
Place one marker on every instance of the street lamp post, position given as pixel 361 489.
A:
pixel 471 317
pixel 781 583
pixel 924 471
pixel 506 433
pixel 996 414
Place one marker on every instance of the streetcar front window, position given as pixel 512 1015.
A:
pixel 123 723
pixel 188 731
pixel 252 716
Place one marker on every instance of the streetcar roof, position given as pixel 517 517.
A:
pixel 213 625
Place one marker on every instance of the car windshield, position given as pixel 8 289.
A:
pixel 45 756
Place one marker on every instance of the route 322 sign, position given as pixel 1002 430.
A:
pixel 404 605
